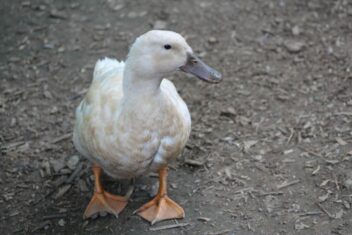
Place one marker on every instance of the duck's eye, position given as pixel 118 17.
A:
pixel 167 47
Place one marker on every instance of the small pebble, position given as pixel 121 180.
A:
pixel 296 30
pixel 173 185
pixel 212 40
pixel 46 166
pixel 65 171
pixel 72 162
pixel 294 46
pixel 153 189
pixel 348 184
pixel 61 49
pixel 300 226
pixel 82 186
pixel 57 165
pixel 58 14
pixel 62 222
pixel 258 158
pixel 346 204
pixel 85 223
pixel 103 213
pixel 160 24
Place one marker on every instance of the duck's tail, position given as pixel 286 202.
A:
pixel 107 67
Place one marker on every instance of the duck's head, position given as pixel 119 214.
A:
pixel 158 53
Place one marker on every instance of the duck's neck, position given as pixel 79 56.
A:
pixel 137 82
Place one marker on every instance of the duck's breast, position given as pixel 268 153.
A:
pixel 129 141
pixel 176 127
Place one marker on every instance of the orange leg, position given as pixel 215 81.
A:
pixel 103 201
pixel 161 207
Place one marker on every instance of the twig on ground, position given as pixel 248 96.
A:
pixel 219 232
pixel 311 152
pixel 194 162
pixel 42 225
pixel 287 184
pixel 270 193
pixel 61 138
pixel 9 146
pixel 324 210
pixel 75 173
pixel 54 216
pixel 169 226
pixel 343 113
pixel 311 213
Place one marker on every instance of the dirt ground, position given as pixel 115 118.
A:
pixel 271 146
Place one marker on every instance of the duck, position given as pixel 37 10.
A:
pixel 132 121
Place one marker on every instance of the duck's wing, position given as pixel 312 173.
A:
pixel 106 89
pixel 107 68
pixel 97 111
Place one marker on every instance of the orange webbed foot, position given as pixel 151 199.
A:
pixel 161 207
pixel 103 201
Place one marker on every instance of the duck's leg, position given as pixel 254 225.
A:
pixel 161 207
pixel 103 201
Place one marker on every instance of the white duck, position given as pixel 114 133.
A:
pixel 132 121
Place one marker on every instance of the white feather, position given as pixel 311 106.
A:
pixel 106 68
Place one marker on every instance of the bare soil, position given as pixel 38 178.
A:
pixel 271 146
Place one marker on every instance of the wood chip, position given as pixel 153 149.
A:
pixel 219 232
pixel 248 144
pixel 324 210
pixel 54 13
pixel 270 193
pixel 301 226
pixel 13 145
pixel 205 219
pixel 61 138
pixel 332 162
pixel 59 181
pixel 75 173
pixel 54 216
pixel 316 170
pixel 287 184
pixel 311 152
pixel 170 226
pixel 323 198
pixel 41 226
pixel 194 162
pixel 62 191
pixel 324 183
pixel 288 151
pixel 82 186
pixel 339 214
pixel 311 213
pixel 340 141
pixel 343 113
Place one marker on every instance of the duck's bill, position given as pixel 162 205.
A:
pixel 198 68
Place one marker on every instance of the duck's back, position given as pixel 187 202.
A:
pixel 99 105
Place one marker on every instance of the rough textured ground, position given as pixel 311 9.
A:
pixel 271 145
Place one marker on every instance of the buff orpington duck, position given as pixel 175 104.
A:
pixel 132 120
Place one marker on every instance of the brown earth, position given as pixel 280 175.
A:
pixel 271 145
